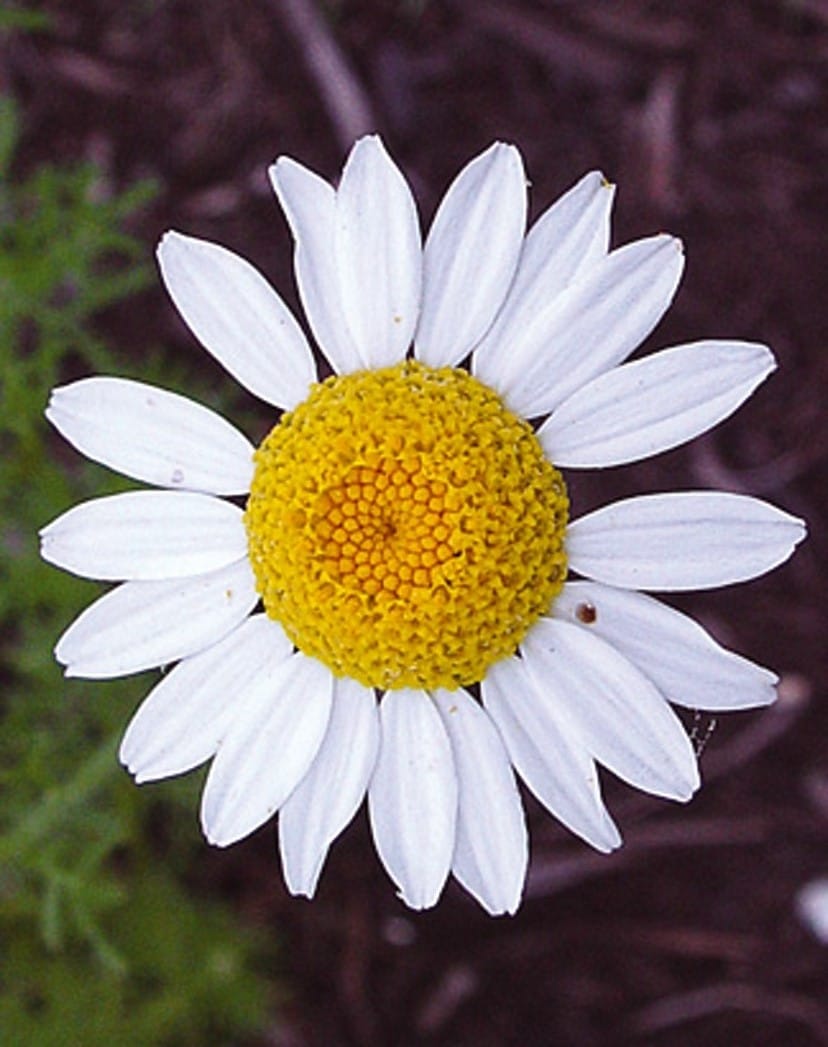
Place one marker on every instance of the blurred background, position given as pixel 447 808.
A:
pixel 119 120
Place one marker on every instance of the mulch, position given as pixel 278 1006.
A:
pixel 713 120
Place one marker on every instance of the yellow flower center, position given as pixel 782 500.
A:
pixel 405 527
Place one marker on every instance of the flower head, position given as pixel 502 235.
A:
pixel 406 530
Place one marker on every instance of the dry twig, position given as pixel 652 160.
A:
pixel 569 52
pixel 346 102
pixel 549 875
pixel 681 1008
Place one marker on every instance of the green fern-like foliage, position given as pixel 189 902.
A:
pixel 102 942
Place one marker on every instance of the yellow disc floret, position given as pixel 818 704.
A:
pixel 405 527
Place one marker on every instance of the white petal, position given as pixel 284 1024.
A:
pixel 592 325
pixel 141 625
pixel 650 405
pixel 491 852
pixel 623 719
pixel 152 435
pixel 309 204
pixel 146 535
pixel 470 255
pixel 412 798
pixel 236 315
pixel 328 796
pixel 682 660
pixel 812 907
pixel 268 749
pixel 548 753
pixel 683 540
pixel 569 238
pixel 182 720
pixel 378 254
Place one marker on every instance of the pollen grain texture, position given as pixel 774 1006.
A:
pixel 405 527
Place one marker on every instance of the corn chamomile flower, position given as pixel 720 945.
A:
pixel 406 532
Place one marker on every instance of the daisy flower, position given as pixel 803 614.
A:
pixel 404 608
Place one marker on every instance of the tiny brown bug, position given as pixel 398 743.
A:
pixel 586 613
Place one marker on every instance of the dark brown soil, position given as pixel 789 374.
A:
pixel 713 119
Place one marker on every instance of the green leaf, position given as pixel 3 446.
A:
pixel 22 18
pixel 103 940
